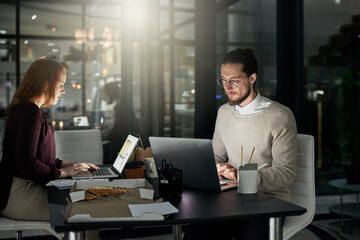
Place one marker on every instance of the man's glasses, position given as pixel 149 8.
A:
pixel 233 83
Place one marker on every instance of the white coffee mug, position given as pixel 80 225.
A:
pixel 247 179
pixel 150 168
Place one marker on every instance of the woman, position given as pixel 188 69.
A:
pixel 28 161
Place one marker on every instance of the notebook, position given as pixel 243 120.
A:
pixel 119 164
pixel 195 157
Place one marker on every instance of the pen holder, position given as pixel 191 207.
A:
pixel 247 178
pixel 170 181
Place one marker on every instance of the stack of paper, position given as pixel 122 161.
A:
pixel 61 183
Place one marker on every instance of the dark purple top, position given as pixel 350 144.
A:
pixel 28 149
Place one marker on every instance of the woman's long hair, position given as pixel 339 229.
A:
pixel 41 77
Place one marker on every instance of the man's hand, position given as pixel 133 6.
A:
pixel 226 170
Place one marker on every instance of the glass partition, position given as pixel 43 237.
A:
pixel 7 17
pixel 249 24
pixel 7 73
pixel 146 48
pixel 332 100
pixel 50 18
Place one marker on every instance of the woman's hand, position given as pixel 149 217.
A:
pixel 226 170
pixel 92 166
pixel 71 168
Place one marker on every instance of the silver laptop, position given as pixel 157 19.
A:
pixel 195 157
pixel 119 164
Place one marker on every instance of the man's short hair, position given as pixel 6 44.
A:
pixel 244 56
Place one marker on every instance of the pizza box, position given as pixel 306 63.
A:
pixel 136 204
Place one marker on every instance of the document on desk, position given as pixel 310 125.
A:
pixel 163 208
pixel 61 183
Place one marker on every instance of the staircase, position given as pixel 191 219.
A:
pixel 338 52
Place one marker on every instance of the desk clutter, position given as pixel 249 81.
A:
pixel 116 200
pixel 170 180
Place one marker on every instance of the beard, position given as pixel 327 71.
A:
pixel 240 100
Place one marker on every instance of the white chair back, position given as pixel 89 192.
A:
pixel 79 146
pixel 303 187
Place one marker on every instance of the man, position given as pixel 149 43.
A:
pixel 250 121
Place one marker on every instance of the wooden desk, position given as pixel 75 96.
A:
pixel 195 206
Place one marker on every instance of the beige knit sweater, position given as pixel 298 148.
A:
pixel 273 134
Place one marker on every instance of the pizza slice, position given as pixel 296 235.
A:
pixel 95 192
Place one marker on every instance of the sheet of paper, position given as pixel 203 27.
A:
pixel 77 196
pixel 162 208
pixel 146 193
pixel 61 183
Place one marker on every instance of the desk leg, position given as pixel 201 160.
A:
pixel 341 208
pixel 75 235
pixel 275 228
pixel 177 232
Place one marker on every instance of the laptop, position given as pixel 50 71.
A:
pixel 195 157
pixel 115 170
pixel 81 121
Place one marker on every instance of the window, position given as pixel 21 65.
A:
pixel 332 100
pixel 249 24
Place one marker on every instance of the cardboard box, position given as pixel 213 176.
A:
pixel 114 207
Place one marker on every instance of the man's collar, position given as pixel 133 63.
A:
pixel 249 108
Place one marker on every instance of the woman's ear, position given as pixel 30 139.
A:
pixel 46 87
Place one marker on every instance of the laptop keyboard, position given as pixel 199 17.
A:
pixel 101 172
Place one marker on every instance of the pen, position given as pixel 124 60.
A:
pixel 262 166
pixel 241 155
pixel 251 154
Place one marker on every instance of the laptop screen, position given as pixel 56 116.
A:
pixel 81 121
pixel 125 152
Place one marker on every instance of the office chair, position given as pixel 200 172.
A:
pixel 7 225
pixel 303 187
pixel 79 146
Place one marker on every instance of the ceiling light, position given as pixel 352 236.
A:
pixel 26 42
pixel 80 35
pixel 320 92
pixel 33 17
pixel 51 27
pixel 3 32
